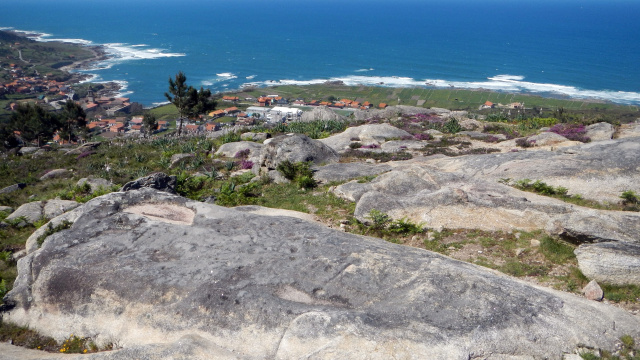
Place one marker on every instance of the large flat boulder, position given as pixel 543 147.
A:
pixel 348 171
pixel 160 273
pixel 365 134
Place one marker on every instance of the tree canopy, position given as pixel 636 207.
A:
pixel 188 100
pixel 74 121
pixel 149 123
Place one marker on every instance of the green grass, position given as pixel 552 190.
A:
pixel 165 112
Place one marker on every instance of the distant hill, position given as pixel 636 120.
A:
pixel 11 37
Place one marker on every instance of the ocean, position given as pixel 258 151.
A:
pixel 586 49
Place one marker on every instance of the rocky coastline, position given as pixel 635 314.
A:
pixel 77 69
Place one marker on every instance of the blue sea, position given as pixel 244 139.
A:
pixel 587 49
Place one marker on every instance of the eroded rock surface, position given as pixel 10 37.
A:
pixel 232 284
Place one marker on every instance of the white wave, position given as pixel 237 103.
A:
pixel 251 77
pixel 207 83
pixel 507 78
pixel 508 83
pixel 364 70
pixel 139 45
pixel 227 75
pixel 124 52
pixel 156 104
pixel 91 78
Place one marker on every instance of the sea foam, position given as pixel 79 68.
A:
pixel 504 82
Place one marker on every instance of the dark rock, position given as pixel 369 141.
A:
pixel 159 181
pixel 150 269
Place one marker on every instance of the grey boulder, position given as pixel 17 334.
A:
pixel 610 262
pixel 296 148
pixel 84 148
pixel 252 136
pixel 156 273
pixel 159 181
pixel 55 207
pixel 321 113
pixel 31 212
pixel 600 131
pixel 177 159
pixel 366 134
pixel 28 150
pixel 56 174
pixel 231 149
pixel 6 209
pixel 11 188
pixel 95 183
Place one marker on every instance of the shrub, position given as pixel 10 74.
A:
pixel 404 226
pixel 576 132
pixel 379 220
pixel 52 230
pixel 293 170
pixel 630 197
pixel 525 142
pixel 371 146
pixel 556 251
pixel 245 164
pixel 422 136
pixel 85 154
pixel 228 138
pixel 287 169
pixel 306 182
pixel 242 154
pixel 229 165
pixel 452 126
pixel 355 145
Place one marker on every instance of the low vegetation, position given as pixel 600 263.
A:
pixel 629 198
